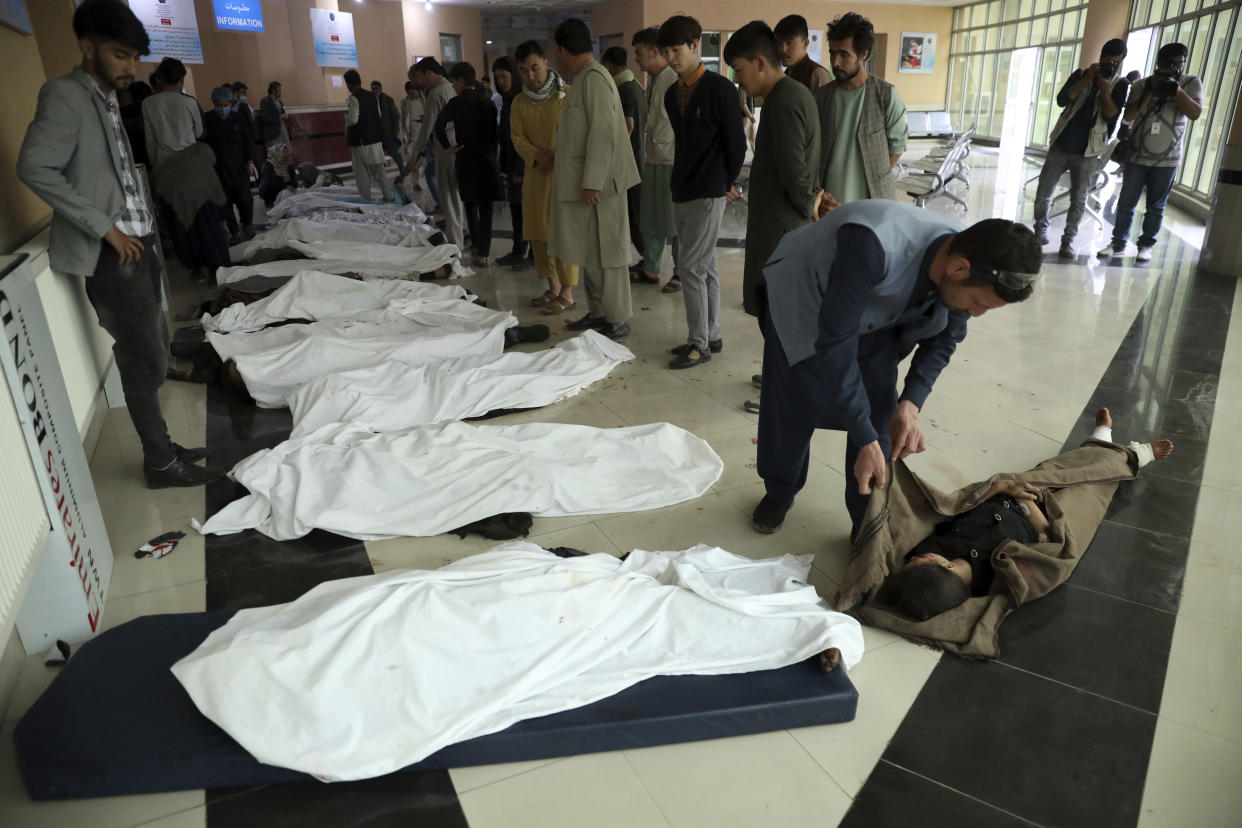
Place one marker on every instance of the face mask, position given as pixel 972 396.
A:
pixel 222 109
pixel 241 98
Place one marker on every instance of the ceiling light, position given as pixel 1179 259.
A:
pixel 489 43
pixel 427 5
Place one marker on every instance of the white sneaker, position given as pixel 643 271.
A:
pixel 1144 255
pixel 1109 252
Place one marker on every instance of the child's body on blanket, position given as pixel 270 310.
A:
pixel 955 562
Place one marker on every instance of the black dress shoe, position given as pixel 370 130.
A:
pixel 180 473
pixel 587 323
pixel 190 455
pixel 619 330
pixel 690 358
pixel 770 514
pixel 714 345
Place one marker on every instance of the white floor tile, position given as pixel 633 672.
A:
pixel 1192 779
pixel 191 597
pixel 1212 589
pixel 131 575
pixel 1218 518
pixel 765 779
pixel 600 790
pixel 469 779
pixel 1203 677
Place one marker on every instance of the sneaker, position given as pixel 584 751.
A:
pixel 1041 236
pixel 588 322
pixel 770 514
pixel 1066 251
pixel 756 380
pixel 751 406
pixel 715 346
pixel 1111 251
pixel 1143 255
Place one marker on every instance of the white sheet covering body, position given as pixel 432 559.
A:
pixel 292 267
pixel 275 361
pixel 430 479
pixel 316 295
pixel 319 229
pixel 362 676
pixel 303 202
pixel 412 259
pixel 395 396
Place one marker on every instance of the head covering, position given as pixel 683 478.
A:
pixel 222 93
pixel 552 87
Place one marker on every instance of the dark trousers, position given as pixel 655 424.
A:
pixel 794 401
pixel 1158 181
pixel 239 197
pixel 393 147
pixel 519 241
pixel 127 301
pixel 479 225
pixel 433 183
pixel 633 199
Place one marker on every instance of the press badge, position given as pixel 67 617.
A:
pixel 1155 128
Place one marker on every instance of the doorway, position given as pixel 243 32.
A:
pixel 1019 104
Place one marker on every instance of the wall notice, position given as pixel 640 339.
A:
pixel 333 33
pixel 172 27
pixel 238 15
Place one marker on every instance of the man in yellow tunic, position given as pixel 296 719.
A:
pixel 594 170
pixel 533 132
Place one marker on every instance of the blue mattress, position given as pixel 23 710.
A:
pixel 115 721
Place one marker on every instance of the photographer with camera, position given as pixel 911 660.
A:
pixel 1159 108
pixel 1092 100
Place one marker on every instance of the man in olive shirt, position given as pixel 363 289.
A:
pixel 634 108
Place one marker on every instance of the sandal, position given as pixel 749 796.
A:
pixel 540 301
pixel 672 286
pixel 640 278
pixel 557 305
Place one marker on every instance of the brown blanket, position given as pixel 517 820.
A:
pixel 1078 487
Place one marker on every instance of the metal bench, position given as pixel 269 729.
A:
pixel 931 178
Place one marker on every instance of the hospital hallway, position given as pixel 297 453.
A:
pixel 1114 701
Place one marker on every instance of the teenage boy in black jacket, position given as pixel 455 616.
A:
pixel 710 145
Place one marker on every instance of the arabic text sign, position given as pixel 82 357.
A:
pixel 333 33
pixel 239 15
pixel 172 27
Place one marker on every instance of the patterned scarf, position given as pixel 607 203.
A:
pixel 554 87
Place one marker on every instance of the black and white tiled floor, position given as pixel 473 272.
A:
pixel 1114 702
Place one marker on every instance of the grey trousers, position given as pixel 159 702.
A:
pixel 607 288
pixel 365 173
pixel 698 226
pixel 450 201
pixel 1055 165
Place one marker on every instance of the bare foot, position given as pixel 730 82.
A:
pixel 829 659
pixel 1103 418
pixel 1162 448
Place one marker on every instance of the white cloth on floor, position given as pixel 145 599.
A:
pixel 319 230
pixel 431 479
pixel 301 203
pixel 291 267
pixel 413 259
pixel 275 361
pixel 315 295
pixel 395 396
pixel 362 676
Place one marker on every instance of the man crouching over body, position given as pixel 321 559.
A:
pixel 844 301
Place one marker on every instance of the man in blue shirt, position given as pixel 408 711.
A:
pixel 844 301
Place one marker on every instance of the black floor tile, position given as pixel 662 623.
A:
pixel 1136 565
pixel 1045 752
pixel 1104 645
pixel 426 800
pixel 1158 504
pixel 281 583
pixel 1185 463
pixel 894 796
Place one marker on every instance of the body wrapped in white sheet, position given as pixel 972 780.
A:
pixel 292 267
pixel 431 479
pixel 394 396
pixel 316 295
pixel 362 676
pixel 319 230
pixel 275 361
pixel 301 203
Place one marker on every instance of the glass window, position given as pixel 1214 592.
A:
pixel 957 69
pixel 1156 14
pixel 987 98
pixel 1009 11
pixel 1025 8
pixel 1140 13
pixel 1008 34
pixel 710 48
pixel 1054 29
pixel 1172 9
pixel 1001 93
pixel 994 11
pixel 450 50
pixel 1041 6
pixel 1023 37
pixel 1218 88
pixel 957 18
pixel 970 109
pixel 1069 26
pixel 972 13
pixel 1038 27
pixel 992 37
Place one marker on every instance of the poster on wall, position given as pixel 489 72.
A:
pixel 66 595
pixel 172 27
pixel 238 15
pixel 815 45
pixel 918 53
pixel 13 14
pixel 333 33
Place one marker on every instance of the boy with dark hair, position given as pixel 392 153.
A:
pixel 513 168
pixel 474 150
pixel 76 158
pixel 783 192
pixel 1091 101
pixel 657 224
pixel 792 40
pixel 590 224
pixel 634 108
pixel 710 143
pixel 1159 108
pixel 364 133
pixel 171 121
pixel 437 92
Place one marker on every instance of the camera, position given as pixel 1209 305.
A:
pixel 1108 68
pixel 1163 83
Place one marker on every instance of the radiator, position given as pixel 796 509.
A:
pixel 24 523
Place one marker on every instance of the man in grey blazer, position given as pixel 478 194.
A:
pixel 77 158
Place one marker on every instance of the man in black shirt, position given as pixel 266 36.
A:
pixel 1091 101
pixel 224 131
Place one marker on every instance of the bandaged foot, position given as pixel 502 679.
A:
pixel 1147 452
